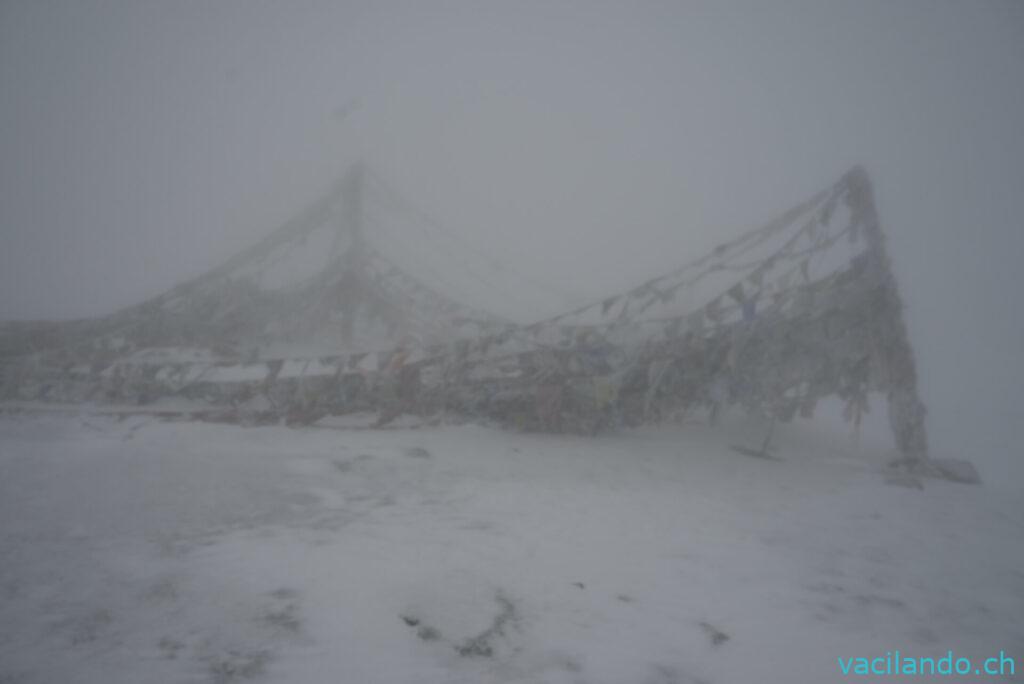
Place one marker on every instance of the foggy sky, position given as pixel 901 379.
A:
pixel 590 145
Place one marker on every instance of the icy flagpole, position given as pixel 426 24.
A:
pixel 889 333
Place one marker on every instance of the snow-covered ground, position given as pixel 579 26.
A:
pixel 139 551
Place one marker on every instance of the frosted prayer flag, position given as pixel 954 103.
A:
pixel 812 229
pixel 757 277
pixel 749 310
pixel 713 310
pixel 736 292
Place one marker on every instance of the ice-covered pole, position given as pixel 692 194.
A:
pixel 351 222
pixel 893 356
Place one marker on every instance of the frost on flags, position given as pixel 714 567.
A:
pixel 334 313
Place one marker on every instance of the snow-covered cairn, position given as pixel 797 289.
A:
pixel 803 308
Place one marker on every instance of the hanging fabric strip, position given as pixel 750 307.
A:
pixel 695 322
pixel 713 310
pixel 736 292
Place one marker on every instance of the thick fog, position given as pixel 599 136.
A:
pixel 587 146
pixel 440 342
